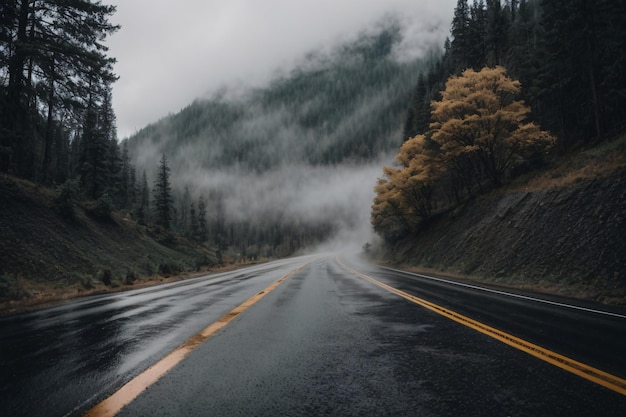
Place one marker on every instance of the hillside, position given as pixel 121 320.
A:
pixel 561 230
pixel 341 105
pixel 290 164
pixel 46 254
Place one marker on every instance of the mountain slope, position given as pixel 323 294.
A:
pixel 294 163
pixel 345 104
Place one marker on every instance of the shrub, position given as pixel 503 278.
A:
pixel 107 277
pixel 87 282
pixel 131 277
pixel 169 268
pixel 68 192
pixel 103 208
pixel 5 285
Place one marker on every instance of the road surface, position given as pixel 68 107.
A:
pixel 323 341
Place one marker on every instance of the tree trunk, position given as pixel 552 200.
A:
pixel 45 166
pixel 9 145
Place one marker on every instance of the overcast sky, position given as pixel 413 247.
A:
pixel 171 52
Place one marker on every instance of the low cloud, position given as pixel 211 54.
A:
pixel 170 53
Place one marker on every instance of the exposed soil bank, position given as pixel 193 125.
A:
pixel 568 240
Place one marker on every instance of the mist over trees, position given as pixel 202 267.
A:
pixel 286 166
pixel 269 171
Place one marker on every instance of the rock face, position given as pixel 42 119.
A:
pixel 569 240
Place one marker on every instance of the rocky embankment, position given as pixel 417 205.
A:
pixel 569 240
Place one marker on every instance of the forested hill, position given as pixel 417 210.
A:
pixel 346 104
pixel 291 164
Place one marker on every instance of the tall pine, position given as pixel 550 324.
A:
pixel 53 63
pixel 163 201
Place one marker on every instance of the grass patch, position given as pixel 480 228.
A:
pixel 599 161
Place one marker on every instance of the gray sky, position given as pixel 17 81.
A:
pixel 171 52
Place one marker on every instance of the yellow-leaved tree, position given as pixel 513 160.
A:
pixel 480 125
pixel 404 196
pixel 479 131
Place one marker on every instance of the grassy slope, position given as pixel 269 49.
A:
pixel 45 256
pixel 558 230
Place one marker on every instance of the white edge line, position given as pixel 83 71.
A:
pixel 524 297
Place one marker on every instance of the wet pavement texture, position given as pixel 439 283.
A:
pixel 60 360
pixel 325 342
pixel 328 343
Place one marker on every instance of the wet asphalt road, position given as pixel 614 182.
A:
pixel 325 342
pixel 58 361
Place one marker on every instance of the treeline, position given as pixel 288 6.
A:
pixel 569 55
pixel 57 124
pixel 204 219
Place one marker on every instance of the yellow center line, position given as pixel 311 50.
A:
pixel 590 373
pixel 132 389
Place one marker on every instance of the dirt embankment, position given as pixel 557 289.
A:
pixel 47 254
pixel 566 239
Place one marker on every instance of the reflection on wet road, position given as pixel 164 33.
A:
pixel 58 360
pixel 324 342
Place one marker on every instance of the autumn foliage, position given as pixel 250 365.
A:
pixel 478 133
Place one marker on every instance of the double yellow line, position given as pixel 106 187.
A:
pixel 590 373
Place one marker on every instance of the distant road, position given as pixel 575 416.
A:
pixel 318 335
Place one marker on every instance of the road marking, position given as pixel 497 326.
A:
pixel 524 297
pixel 131 390
pixel 590 373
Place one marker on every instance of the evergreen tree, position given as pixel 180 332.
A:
pixel 477 40
pixel 184 208
pixel 133 188
pixel 583 59
pixel 203 231
pixel 419 111
pixel 126 182
pixel 163 201
pixel 143 210
pixel 193 221
pixel 460 44
pixel 99 160
pixel 497 28
pixel 52 57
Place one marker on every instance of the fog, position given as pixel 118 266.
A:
pixel 305 148
pixel 169 53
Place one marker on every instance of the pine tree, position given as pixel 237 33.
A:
pixel 143 210
pixel 203 232
pixel 183 208
pixel 460 44
pixel 583 61
pixel 52 57
pixel 497 28
pixel 163 201
pixel 193 221
pixel 126 183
